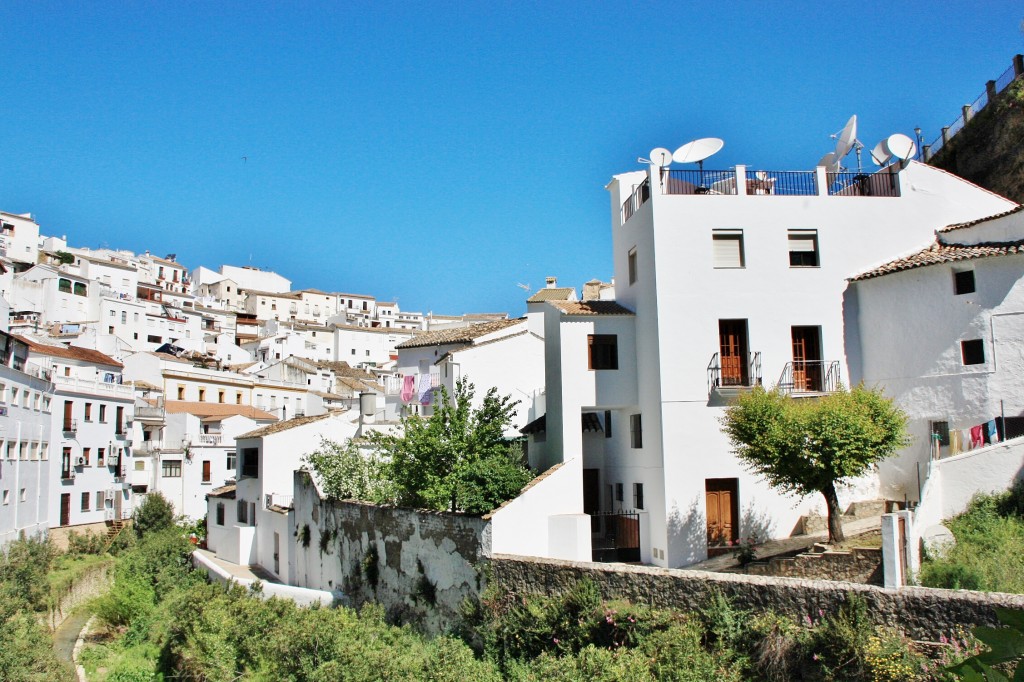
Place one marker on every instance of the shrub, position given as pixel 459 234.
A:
pixel 86 543
pixel 154 514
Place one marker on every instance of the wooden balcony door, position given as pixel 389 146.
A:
pixel 65 509
pixel 807 359
pixel 722 495
pixel 732 349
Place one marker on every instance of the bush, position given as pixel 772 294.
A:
pixel 23 569
pixel 86 543
pixel 154 514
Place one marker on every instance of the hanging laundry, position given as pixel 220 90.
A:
pixel 992 431
pixel 427 397
pixel 977 439
pixel 424 392
pixel 408 387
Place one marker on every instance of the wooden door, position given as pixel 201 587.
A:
pixel 65 509
pixel 722 510
pixel 207 475
pixel 807 359
pixel 732 342
pixel 68 407
pixel 592 497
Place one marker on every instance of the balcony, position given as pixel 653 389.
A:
pixel 149 413
pixel 71 426
pixel 730 376
pixel 148 447
pixel 95 387
pixel 810 377
pixel 393 385
pixel 863 185
pixel 210 439
pixel 639 197
pixel 700 182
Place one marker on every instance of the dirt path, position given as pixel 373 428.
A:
pixel 65 636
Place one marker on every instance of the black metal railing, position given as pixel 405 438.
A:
pixel 700 182
pixel 620 538
pixel 641 194
pixel 810 376
pixel 784 183
pixel 731 378
pixel 70 425
pixel 881 184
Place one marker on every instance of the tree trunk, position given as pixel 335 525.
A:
pixel 835 523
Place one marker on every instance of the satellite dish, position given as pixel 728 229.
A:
pixel 881 154
pixel 698 150
pixel 661 157
pixel 846 138
pixel 901 146
pixel 829 161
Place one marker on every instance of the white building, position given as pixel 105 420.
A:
pixel 89 439
pixel 19 238
pixel 942 331
pixel 26 398
pixel 247 523
pixel 725 280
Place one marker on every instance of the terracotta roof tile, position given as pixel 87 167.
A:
pixel 969 223
pixel 942 253
pixel 591 308
pixel 442 337
pixel 552 294
pixel 286 425
pixel 72 353
pixel 200 409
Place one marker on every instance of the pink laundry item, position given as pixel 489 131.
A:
pixel 408 388
pixel 977 437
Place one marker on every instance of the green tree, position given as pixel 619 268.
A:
pixel 434 462
pixel 154 514
pixel 345 473
pixel 810 445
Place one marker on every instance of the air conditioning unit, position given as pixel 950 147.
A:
pixel 113 459
pixel 79 461
pixel 268 500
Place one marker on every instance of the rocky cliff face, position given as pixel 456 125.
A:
pixel 989 151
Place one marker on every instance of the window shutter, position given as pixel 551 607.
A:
pixel 728 249
pixel 801 242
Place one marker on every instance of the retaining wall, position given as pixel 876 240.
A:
pixel 923 613
pixel 91 583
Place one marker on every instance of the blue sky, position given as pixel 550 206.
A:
pixel 440 153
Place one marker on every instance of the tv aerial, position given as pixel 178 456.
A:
pixel 696 151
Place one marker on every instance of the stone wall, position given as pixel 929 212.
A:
pixel 91 583
pixel 419 565
pixel 923 613
pixel 859 565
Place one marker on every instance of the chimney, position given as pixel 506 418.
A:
pixel 367 408
pixel 552 282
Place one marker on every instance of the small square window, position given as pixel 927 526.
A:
pixel 727 249
pixel 963 282
pixel 603 351
pixel 803 248
pixel 973 352
pixel 940 429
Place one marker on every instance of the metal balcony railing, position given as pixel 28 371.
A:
pixel 881 184
pixel 810 376
pixel 209 438
pixel 641 194
pixel 782 183
pixel 700 182
pixel 70 426
pixel 730 372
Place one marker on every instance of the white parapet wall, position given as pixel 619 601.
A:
pixel 545 521
pixel 303 596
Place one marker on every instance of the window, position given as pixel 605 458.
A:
pixel 618 492
pixel 124 317
pixel 636 439
pixel 220 396
pixel 963 282
pixel 231 462
pixel 85 455
pixel 88 412
pixel 7 497
pixel 22 496
pixel 973 352
pixel 101 457
pixel 603 351
pixel 113 313
pixel 181 392
pixel 103 414
pixel 206 471
pixel 250 462
pixel 80 289
pixel 607 423
pixel 638 495
pixel 631 262
pixel 220 513
pixel 803 248
pixel 64 285
pixel 153 338
pixel 243 512
pixel 85 501
pixel 202 395
pixel 119 426
pixel 940 429
pixel 238 399
pixel 65 461
pixel 727 248
pixel 101 496
pixel 170 468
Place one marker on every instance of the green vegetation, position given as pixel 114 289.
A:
pixel 25 594
pixel 807 446
pixel 457 459
pixel 989 550
pixel 155 514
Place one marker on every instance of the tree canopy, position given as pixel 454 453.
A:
pixel 457 458
pixel 810 445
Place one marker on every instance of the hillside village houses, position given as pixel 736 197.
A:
pixel 717 291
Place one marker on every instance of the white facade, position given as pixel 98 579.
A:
pixel 942 332
pixel 26 400
pixel 19 237
pixel 367 346
pixel 728 290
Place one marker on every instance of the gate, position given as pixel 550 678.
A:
pixel 620 540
